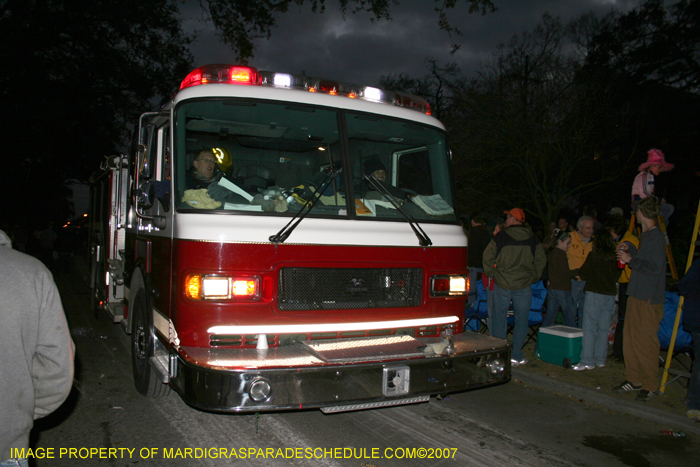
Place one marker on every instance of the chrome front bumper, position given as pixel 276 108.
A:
pixel 337 372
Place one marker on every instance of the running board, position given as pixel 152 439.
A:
pixel 374 405
pixel 115 311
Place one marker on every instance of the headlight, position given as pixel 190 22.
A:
pixel 221 287
pixel 448 285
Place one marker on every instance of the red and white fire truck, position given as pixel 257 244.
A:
pixel 319 265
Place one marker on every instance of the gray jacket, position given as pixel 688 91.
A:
pixel 648 265
pixel 36 364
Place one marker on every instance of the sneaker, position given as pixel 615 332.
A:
pixel 693 414
pixel 514 362
pixel 600 365
pixel 581 367
pixel 626 386
pixel 644 395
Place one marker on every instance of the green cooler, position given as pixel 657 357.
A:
pixel 560 345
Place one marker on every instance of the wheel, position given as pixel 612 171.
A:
pixel 142 345
pixel 567 363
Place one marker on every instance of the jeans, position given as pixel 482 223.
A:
pixel 556 299
pixel 579 297
pixel 694 385
pixel 489 311
pixel 472 285
pixel 522 300
pixel 596 325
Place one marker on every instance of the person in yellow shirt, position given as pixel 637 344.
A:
pixel 616 224
pixel 577 253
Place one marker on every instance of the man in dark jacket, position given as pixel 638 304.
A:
pixel 516 260
pixel 479 238
pixel 689 287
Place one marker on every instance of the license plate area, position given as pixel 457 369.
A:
pixel 396 380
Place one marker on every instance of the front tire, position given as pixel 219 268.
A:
pixel 142 345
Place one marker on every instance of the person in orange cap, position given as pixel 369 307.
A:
pixel 515 260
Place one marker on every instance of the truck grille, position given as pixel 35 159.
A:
pixel 338 288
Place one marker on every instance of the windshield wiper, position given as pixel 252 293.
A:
pixel 287 230
pixel 423 238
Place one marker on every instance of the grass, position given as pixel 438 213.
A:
pixel 604 379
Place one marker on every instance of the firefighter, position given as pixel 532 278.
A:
pixel 203 170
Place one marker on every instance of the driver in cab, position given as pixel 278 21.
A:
pixel 203 171
pixel 373 167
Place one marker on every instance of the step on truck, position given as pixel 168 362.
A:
pixel 280 242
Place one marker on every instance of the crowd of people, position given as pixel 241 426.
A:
pixel 588 269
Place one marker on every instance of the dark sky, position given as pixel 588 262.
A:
pixel 358 51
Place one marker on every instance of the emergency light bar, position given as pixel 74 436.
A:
pixel 231 74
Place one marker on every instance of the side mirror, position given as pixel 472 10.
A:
pixel 145 195
pixel 144 166
pixel 144 198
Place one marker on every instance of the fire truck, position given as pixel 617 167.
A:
pixel 280 242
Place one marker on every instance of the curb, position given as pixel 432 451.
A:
pixel 614 403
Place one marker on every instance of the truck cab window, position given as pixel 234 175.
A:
pixel 411 163
pixel 238 156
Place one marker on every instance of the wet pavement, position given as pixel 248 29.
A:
pixel 595 387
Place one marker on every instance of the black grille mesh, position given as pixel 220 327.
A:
pixel 337 288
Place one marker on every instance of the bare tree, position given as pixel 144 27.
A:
pixel 527 136
pixel 435 87
pixel 240 22
pixel 77 72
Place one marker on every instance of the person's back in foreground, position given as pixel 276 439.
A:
pixel 36 348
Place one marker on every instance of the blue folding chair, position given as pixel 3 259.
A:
pixel 534 319
pixel 684 340
pixel 476 317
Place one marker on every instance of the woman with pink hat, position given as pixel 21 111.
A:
pixel 643 185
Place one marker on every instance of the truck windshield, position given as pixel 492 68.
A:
pixel 270 158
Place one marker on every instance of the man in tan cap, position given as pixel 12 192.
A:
pixel 516 260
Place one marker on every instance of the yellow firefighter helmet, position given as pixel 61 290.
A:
pixel 223 158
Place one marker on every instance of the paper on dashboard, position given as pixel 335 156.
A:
pixel 224 182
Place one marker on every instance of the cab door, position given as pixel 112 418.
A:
pixel 153 211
